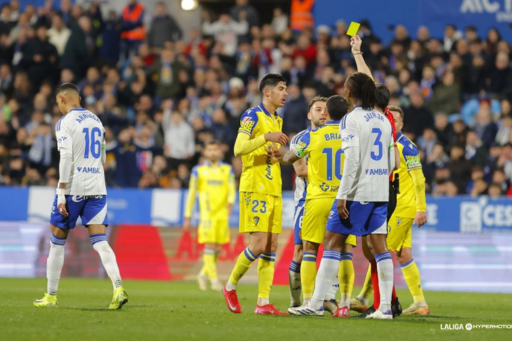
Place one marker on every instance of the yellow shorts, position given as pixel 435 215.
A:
pixel 399 233
pixel 213 231
pixel 260 213
pixel 316 213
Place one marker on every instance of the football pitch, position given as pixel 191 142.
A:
pixel 179 311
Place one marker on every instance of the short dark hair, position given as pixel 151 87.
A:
pixel 337 107
pixel 212 143
pixel 363 88
pixel 316 99
pixel 382 96
pixel 398 110
pixel 271 80
pixel 67 87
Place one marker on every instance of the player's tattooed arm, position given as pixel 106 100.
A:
pixel 301 168
pixel 289 158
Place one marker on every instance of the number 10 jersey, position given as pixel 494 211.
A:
pixel 81 133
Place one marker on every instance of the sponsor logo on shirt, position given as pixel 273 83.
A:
pixel 256 220
pixel 92 170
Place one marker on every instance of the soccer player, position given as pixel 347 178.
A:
pixel 325 157
pixel 214 181
pixel 260 192
pixel 372 281
pixel 410 209
pixel 361 205
pixel 309 144
pixel 81 192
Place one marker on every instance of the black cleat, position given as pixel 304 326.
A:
pixel 368 311
pixel 396 308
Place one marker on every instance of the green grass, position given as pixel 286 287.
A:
pixel 179 311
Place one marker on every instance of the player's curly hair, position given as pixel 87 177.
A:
pixel 363 88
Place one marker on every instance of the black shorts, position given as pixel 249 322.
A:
pixel 392 199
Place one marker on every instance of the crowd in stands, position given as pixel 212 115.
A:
pixel 161 96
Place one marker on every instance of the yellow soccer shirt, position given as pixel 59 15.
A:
pixel 409 160
pixel 215 185
pixel 259 173
pixel 325 159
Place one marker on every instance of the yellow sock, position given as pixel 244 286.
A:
pixel 209 264
pixel 367 290
pixel 243 263
pixel 265 275
pixel 308 274
pixel 412 278
pixel 346 277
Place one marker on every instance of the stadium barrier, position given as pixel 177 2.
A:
pixel 466 246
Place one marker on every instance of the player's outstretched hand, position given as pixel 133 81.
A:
pixel 186 224
pixel 277 138
pixel 356 42
pixel 341 206
pixel 420 219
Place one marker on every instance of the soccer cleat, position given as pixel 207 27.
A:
pixel 331 306
pixel 216 285
pixel 416 309
pixel 232 300
pixel 306 310
pixel 357 305
pixel 396 308
pixel 368 311
pixel 379 315
pixel 202 280
pixel 342 312
pixel 47 301
pixel 120 298
pixel 268 309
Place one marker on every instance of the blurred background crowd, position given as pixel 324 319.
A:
pixel 161 96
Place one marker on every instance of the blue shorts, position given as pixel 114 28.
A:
pixel 363 219
pixel 92 210
pixel 297 222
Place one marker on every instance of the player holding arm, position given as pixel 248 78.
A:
pixel 410 209
pixel 81 193
pixel 260 193
pixel 214 182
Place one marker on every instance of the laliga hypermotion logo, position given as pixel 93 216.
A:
pixel 502 9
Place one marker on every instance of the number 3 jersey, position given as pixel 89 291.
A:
pixel 80 133
pixel 366 174
pixel 325 159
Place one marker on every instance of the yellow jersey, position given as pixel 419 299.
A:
pixel 325 160
pixel 259 173
pixel 409 160
pixel 215 185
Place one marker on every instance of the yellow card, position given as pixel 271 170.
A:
pixel 353 28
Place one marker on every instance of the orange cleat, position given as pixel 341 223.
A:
pixel 342 312
pixel 268 309
pixel 232 300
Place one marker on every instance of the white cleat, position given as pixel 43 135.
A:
pixel 202 280
pixel 216 285
pixel 306 310
pixel 379 315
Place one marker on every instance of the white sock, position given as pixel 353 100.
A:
pixel 108 258
pixel 326 275
pixel 385 271
pixel 333 289
pixel 295 284
pixel 54 264
pixel 263 301
pixel 230 286
pixel 362 299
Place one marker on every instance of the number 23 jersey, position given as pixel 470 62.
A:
pixel 81 134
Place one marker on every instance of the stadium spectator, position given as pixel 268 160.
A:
pixel 179 139
pixel 226 30
pixel 163 28
pixel 58 34
pixel 133 29
pixel 251 14
pixel 279 21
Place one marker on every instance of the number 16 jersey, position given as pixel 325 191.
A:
pixel 81 134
